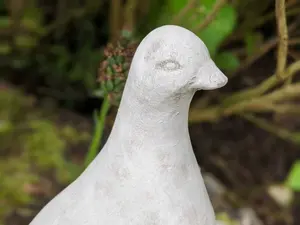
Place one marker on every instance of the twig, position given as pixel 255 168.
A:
pixel 283 37
pixel 263 103
pixel 294 41
pixel 250 100
pixel 239 33
pixel 211 16
pixel 273 129
pixel 263 87
pixel 286 108
pixel 190 5
pixel 262 50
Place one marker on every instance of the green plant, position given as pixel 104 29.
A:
pixel 213 21
pixel 32 146
pixel 112 76
pixel 293 179
pixel 64 65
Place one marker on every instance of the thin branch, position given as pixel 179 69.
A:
pixel 251 100
pixel 261 21
pixel 262 50
pixel 273 129
pixel 264 103
pixel 211 16
pixel 283 37
pixel 271 16
pixel 294 41
pixel 239 33
pixel 286 108
pixel 190 5
pixel 263 87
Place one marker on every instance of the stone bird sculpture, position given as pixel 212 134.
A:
pixel 147 173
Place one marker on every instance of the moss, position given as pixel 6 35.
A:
pixel 43 145
pixel 32 147
pixel 15 174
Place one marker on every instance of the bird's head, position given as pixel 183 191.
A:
pixel 171 61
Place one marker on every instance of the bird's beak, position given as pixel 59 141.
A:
pixel 209 77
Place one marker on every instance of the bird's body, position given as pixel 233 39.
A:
pixel 147 174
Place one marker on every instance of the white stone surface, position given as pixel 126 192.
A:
pixel 147 174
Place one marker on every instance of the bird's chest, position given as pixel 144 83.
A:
pixel 169 195
pixel 151 206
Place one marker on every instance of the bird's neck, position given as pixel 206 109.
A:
pixel 162 123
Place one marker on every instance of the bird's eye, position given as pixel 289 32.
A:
pixel 168 65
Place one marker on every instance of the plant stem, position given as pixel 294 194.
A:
pixel 98 133
pixel 115 22
pixel 283 37
pixel 129 15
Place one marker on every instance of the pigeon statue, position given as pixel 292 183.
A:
pixel 147 173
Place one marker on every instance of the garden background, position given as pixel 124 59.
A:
pixel 63 68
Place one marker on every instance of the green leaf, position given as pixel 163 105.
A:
pixel 293 180
pixel 215 32
pixel 109 85
pixel 219 28
pixel 227 61
pixel 176 5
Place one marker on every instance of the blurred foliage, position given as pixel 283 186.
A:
pixel 215 32
pixel 58 40
pixel 225 218
pixel 293 179
pixel 114 68
pixel 32 146
pixel 58 46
